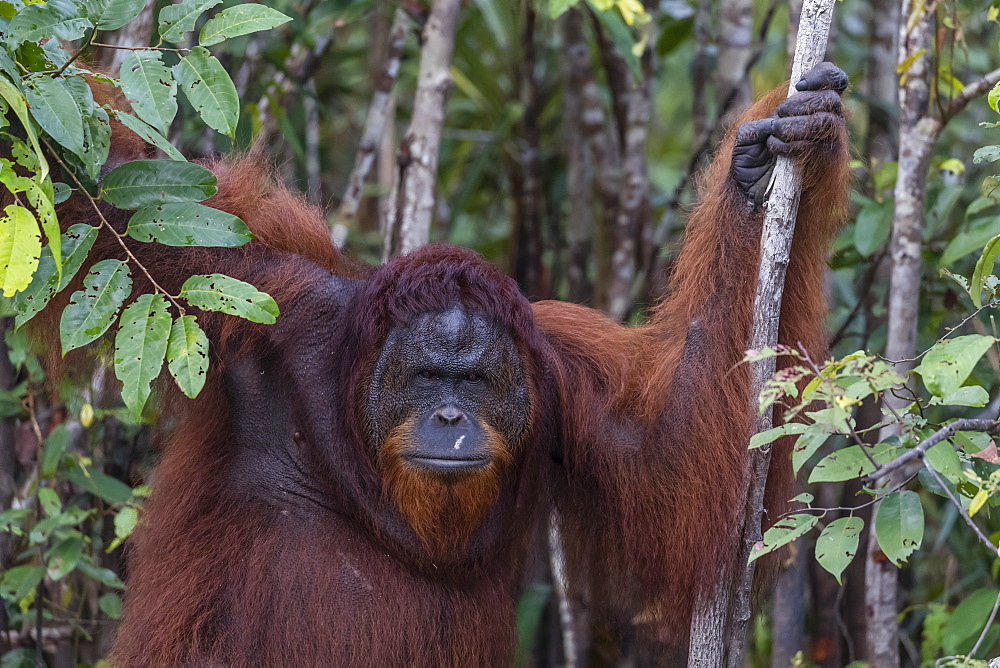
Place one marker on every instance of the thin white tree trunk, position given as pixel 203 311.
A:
pixel 410 216
pixel 732 88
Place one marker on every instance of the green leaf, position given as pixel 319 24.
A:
pixel 967 620
pixel 559 7
pixel 771 435
pixel 111 605
pixel 76 244
pixel 113 14
pixel 63 557
pixel 18 104
pixel 177 19
pixel 56 111
pixel 984 266
pixel 994 97
pixel 215 292
pixel 92 310
pixel 844 464
pixel 240 20
pixel 140 347
pixel 968 395
pixel 947 365
pixel 188 224
pixel 96 126
pixel 102 575
pixel 125 522
pixel 782 533
pixel 871 229
pixel 187 355
pixel 143 182
pixel 150 87
pixel 55 447
pixel 20 581
pixel 986 154
pixel 899 525
pixel 807 444
pixel 56 18
pixel 49 501
pixel 20 248
pixel 837 545
pixel 209 90
pixel 149 134
pixel 100 484
pixel 944 459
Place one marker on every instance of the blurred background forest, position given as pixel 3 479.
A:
pixel 571 142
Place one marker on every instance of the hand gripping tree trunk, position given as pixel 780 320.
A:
pixel 710 645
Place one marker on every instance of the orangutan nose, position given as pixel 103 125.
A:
pixel 448 416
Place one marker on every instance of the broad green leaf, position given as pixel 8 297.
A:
pixel 177 19
pixel 807 444
pixel 111 605
pixel 871 229
pixel 63 557
pixel 837 544
pixel 140 348
pixel 944 459
pixel 899 525
pixel 946 366
pixel 986 154
pixel 125 522
pixel 113 14
pixel 188 224
pixel 782 533
pixel 56 111
pixel 150 87
pixel 149 134
pixel 844 464
pixel 144 182
pixel 56 18
pixel 92 310
pixel 103 575
pixel 215 292
pixel 209 90
pixel 994 97
pixel 76 244
pixel 100 484
pixel 20 248
pixel 984 266
pixel 49 501
pixel 45 208
pixel 967 395
pixel 967 620
pixel 13 97
pixel 96 126
pixel 18 582
pixel 771 435
pixel 187 355
pixel 55 446
pixel 240 20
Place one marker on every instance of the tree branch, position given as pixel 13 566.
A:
pixel 943 434
pixel 969 93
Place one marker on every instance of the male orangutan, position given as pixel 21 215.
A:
pixel 361 483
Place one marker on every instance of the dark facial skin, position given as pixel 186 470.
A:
pixel 453 373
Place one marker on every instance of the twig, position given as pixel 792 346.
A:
pixel 961 510
pixel 969 93
pixel 995 302
pixel 140 48
pixel 989 622
pixel 118 237
pixel 943 434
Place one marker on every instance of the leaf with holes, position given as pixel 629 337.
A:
pixel 240 20
pixel 837 544
pixel 782 533
pixel 216 292
pixel 149 134
pixel 946 366
pixel 187 355
pixel 92 310
pixel 899 525
pixel 150 88
pixel 140 348
pixel 55 110
pixel 63 557
pixel 56 18
pixel 179 18
pixel 17 103
pixel 145 182
pixel 188 224
pixel 20 248
pixel 76 243
pixel 208 88
pixel 20 581
pixel 844 464
pixel 96 126
pixel 113 14
pixel 773 434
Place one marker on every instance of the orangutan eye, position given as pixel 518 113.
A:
pixel 472 377
pixel 427 374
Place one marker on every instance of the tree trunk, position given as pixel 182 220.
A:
pixel 732 88
pixel 135 33
pixel 410 214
